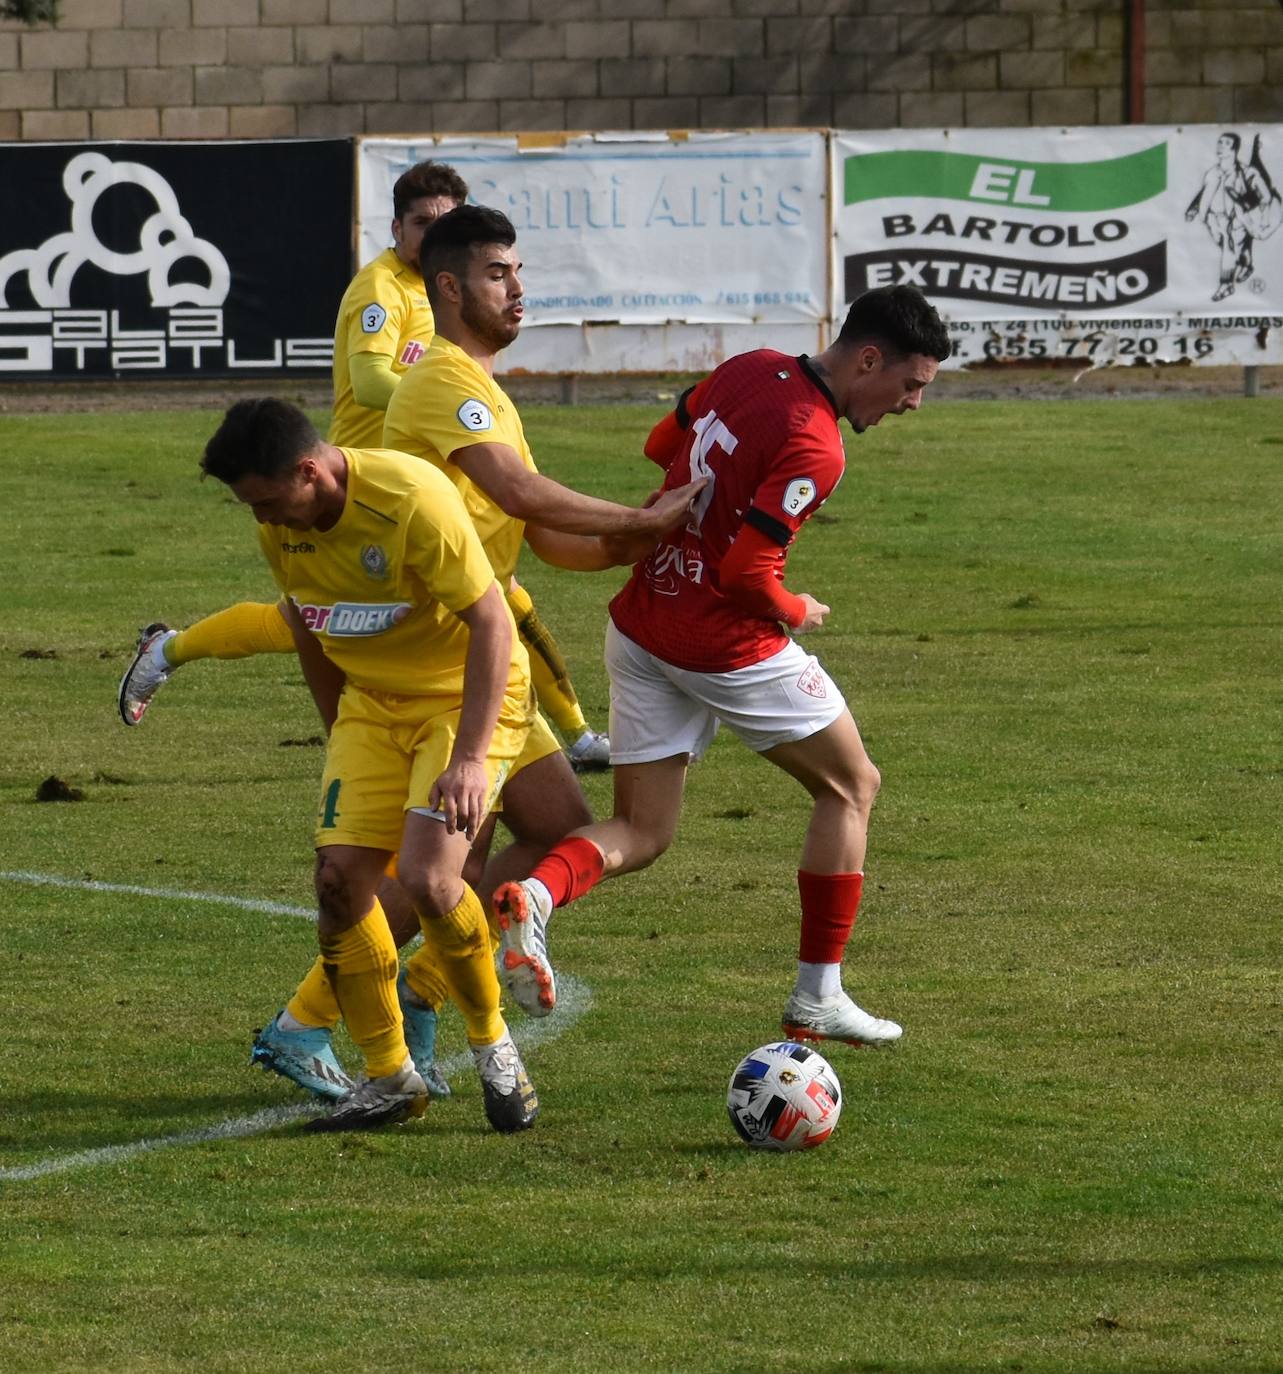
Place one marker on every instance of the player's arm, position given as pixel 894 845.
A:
pixel 587 553
pixel 665 441
pixel 499 471
pixel 373 380
pixel 802 476
pixel 749 576
pixel 461 792
pixel 324 679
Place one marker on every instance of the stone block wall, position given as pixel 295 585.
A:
pixel 138 69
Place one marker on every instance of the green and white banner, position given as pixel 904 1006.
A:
pixel 1109 245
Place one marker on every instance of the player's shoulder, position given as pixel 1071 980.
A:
pixel 380 278
pixel 393 471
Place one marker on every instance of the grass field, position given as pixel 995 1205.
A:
pixel 1059 626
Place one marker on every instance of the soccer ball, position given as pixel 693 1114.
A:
pixel 784 1097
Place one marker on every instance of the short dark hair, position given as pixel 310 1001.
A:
pixel 448 244
pixel 427 179
pixel 899 320
pixel 1233 138
pixel 263 437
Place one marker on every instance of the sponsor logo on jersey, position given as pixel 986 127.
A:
pixel 812 681
pixel 475 415
pixel 287 547
pixel 412 352
pixel 374 560
pixel 353 619
pixel 799 494
pixel 373 318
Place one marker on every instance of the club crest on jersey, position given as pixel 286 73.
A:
pixel 373 318
pixel 799 494
pixel 412 352
pixel 374 561
pixel 812 681
pixel 475 415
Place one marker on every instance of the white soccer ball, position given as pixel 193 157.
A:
pixel 784 1097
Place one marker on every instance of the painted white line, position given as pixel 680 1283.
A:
pixel 573 1000
pixel 166 893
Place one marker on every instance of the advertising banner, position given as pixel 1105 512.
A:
pixel 176 259
pixel 1102 245
pixel 641 229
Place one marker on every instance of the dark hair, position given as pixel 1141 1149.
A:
pixel 263 437
pixel 448 244
pixel 1234 139
pixel 427 179
pixel 899 320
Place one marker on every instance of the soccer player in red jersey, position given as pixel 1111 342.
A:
pixel 698 636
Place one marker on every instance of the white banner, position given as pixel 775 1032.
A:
pixel 1105 245
pixel 641 229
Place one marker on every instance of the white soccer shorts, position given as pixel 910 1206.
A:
pixel 657 710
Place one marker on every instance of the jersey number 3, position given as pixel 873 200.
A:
pixel 709 430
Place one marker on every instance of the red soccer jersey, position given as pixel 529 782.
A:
pixel 764 428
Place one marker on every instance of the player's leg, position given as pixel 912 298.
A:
pixel 835 769
pixel 789 710
pixel 360 962
pixel 456 933
pixel 457 937
pixel 586 749
pixel 656 730
pixel 363 790
pixel 240 631
pixel 542 803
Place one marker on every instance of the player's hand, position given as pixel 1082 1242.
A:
pixel 814 617
pixel 460 795
pixel 673 508
pixel 623 550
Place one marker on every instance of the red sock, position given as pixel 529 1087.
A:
pixel 570 869
pixel 829 904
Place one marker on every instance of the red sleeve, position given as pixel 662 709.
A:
pixel 801 478
pixel 665 441
pixel 749 575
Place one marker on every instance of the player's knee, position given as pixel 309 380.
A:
pixel 856 789
pixel 433 892
pixel 644 847
pixel 334 892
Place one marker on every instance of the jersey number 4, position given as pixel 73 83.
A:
pixel 709 431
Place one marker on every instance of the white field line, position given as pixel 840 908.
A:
pixel 573 1000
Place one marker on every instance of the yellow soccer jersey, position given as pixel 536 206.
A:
pixel 384 310
pixel 380 589
pixel 449 403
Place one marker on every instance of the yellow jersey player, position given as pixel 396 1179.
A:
pixel 452 413
pixel 386 584
pixel 385 323
pixel 384 327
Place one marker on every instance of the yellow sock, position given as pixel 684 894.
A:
pixel 461 941
pixel 314 1002
pixel 249 627
pixel 361 964
pixel 425 977
pixel 548 669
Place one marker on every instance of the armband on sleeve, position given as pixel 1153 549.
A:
pixel 373 380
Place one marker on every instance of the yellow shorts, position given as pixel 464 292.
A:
pixel 385 752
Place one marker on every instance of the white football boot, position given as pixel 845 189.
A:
pixel 522 911
pixel 145 676
pixel 835 1018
